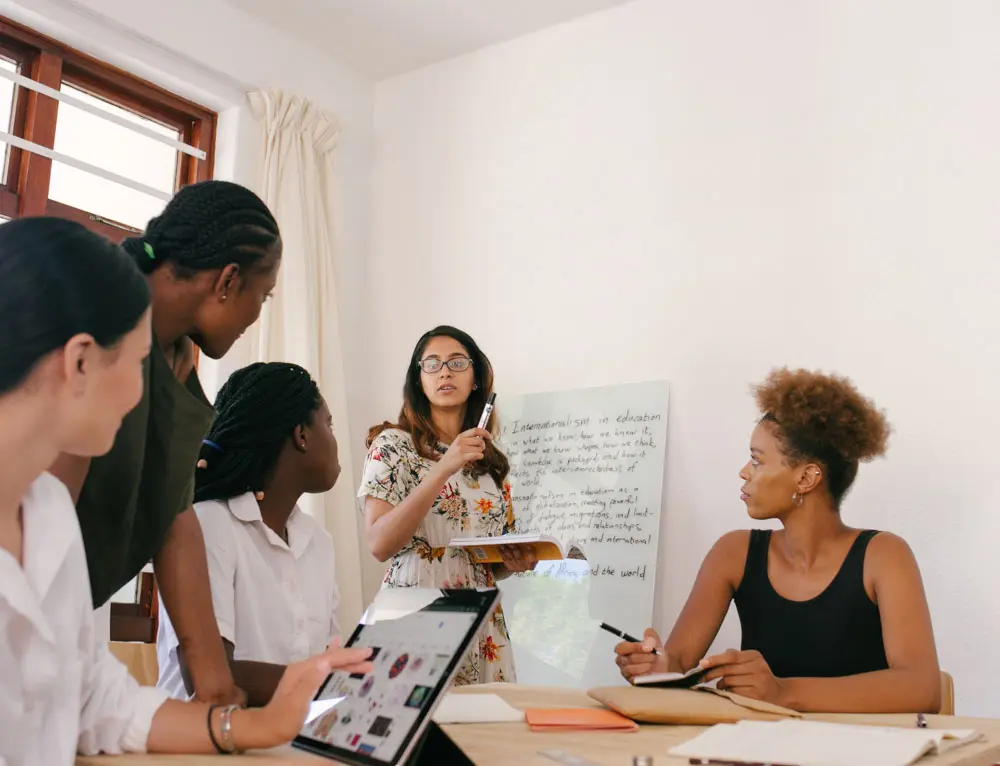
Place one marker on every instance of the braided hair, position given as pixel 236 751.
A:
pixel 258 408
pixel 205 226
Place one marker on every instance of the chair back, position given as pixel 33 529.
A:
pixel 137 621
pixel 947 694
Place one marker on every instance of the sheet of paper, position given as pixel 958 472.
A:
pixel 811 743
pixel 586 465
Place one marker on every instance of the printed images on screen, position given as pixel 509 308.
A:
pixel 366 686
pixel 416 664
pixel 439 664
pixel 380 726
pixel 366 749
pixel 399 665
pixel 325 725
pixel 397 696
pixel 418 697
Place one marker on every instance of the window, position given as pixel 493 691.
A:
pixel 127 173
pixel 130 144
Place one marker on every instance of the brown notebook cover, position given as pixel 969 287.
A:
pixel 690 707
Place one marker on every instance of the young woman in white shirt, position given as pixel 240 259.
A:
pixel 75 313
pixel 271 566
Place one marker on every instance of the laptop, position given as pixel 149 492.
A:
pixel 418 637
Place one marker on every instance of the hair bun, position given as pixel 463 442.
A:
pixel 827 411
pixel 142 254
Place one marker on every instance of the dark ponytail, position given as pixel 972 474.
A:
pixel 57 280
pixel 258 408
pixel 205 226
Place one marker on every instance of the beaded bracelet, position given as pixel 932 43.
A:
pixel 211 734
pixel 226 735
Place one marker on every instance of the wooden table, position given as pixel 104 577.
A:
pixel 513 744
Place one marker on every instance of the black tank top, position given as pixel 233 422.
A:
pixel 837 633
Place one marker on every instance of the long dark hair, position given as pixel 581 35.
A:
pixel 205 226
pixel 258 409
pixel 57 280
pixel 415 415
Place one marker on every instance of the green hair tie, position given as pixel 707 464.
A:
pixel 149 251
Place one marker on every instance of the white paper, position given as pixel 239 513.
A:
pixel 475 708
pixel 813 743
pixel 586 465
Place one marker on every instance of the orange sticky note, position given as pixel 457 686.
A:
pixel 577 719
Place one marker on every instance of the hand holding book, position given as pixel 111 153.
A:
pixel 518 558
pixel 487 550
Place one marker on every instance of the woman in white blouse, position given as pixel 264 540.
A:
pixel 75 313
pixel 271 566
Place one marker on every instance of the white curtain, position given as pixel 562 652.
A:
pixel 301 323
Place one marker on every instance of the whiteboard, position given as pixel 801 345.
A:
pixel 586 464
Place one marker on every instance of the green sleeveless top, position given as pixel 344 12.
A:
pixel 132 495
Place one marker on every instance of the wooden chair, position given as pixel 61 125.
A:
pixel 139 659
pixel 947 694
pixel 133 631
pixel 137 622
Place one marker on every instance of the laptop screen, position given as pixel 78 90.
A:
pixel 418 639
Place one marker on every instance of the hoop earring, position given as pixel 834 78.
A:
pixel 797 499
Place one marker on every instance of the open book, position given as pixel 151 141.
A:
pixel 486 550
pixel 672 680
pixel 815 743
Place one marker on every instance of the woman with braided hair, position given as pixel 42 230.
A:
pixel 834 619
pixel 210 260
pixel 271 566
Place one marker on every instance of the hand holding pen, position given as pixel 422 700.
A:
pixel 636 658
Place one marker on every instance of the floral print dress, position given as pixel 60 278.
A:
pixel 468 506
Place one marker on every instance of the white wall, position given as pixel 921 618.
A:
pixel 699 192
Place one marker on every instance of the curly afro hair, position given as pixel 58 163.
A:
pixel 824 418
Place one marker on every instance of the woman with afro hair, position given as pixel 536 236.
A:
pixel 834 619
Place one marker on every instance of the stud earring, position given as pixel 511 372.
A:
pixel 259 495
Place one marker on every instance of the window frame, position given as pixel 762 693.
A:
pixel 33 117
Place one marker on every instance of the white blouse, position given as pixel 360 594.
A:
pixel 275 601
pixel 61 690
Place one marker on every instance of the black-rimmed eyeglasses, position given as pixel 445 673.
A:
pixel 455 364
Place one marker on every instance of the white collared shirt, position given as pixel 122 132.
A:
pixel 61 690
pixel 275 602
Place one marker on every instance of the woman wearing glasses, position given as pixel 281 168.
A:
pixel 434 476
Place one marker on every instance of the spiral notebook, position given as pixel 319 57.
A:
pixel 672 680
